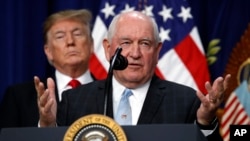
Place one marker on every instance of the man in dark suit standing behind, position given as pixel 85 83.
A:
pixel 68 47
pixel 154 101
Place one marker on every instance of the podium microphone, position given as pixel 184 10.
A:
pixel 117 62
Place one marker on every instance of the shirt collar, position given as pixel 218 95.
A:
pixel 139 93
pixel 62 80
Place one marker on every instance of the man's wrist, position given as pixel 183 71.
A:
pixel 52 125
pixel 210 126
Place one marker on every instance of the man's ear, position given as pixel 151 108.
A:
pixel 106 46
pixel 92 45
pixel 159 46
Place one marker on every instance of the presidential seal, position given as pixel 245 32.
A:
pixel 95 127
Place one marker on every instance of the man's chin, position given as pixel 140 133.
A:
pixel 134 78
pixel 75 61
pixel 131 76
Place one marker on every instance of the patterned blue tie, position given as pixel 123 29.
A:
pixel 123 115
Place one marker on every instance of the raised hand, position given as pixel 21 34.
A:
pixel 211 102
pixel 46 102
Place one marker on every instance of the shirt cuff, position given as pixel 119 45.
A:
pixel 208 129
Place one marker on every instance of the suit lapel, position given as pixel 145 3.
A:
pixel 152 102
pixel 100 98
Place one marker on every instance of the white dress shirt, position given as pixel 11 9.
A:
pixel 136 100
pixel 62 81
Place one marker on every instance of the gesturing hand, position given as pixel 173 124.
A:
pixel 46 102
pixel 211 102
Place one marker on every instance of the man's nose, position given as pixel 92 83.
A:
pixel 70 40
pixel 135 51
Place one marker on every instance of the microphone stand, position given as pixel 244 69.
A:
pixel 118 62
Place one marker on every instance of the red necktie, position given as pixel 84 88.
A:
pixel 74 83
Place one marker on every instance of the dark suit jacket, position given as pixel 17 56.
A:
pixel 166 102
pixel 19 106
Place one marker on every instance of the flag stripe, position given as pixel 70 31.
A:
pixel 97 67
pixel 99 33
pixel 234 111
pixel 192 59
pixel 195 36
pixel 237 117
pixel 231 100
pixel 173 69
pixel 230 112
pixel 242 118
pixel 158 73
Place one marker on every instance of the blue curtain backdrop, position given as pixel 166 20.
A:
pixel 21 40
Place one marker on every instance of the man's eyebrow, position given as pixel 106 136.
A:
pixel 146 39
pixel 58 32
pixel 76 29
pixel 124 38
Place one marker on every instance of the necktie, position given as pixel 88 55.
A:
pixel 74 83
pixel 123 115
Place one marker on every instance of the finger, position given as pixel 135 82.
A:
pixel 43 99
pixel 208 87
pixel 51 87
pixel 217 89
pixel 36 82
pixel 218 84
pixel 211 93
pixel 223 87
pixel 212 97
pixel 39 87
pixel 226 81
pixel 201 97
pixel 220 87
pixel 48 106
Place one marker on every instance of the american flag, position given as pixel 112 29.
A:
pixel 237 110
pixel 182 58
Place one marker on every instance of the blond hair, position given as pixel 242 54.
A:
pixel 83 16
